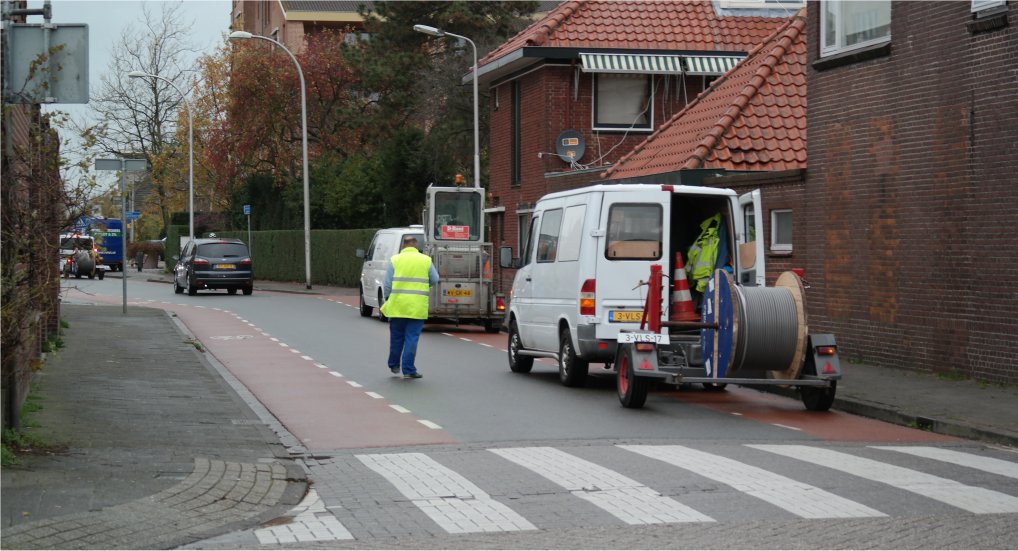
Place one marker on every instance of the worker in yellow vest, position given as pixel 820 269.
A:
pixel 407 282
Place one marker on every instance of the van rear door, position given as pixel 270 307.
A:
pixel 632 225
pixel 749 227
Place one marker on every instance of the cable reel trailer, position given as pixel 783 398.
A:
pixel 747 335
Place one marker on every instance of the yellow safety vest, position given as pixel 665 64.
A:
pixel 703 253
pixel 410 285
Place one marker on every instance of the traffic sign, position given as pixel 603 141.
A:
pixel 247 210
pixel 133 215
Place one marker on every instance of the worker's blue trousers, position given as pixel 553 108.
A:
pixel 403 336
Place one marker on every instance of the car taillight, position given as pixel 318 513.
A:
pixel 499 304
pixel 245 262
pixel 200 262
pixel 587 296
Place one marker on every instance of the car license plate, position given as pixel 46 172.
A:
pixel 627 316
pixel 641 337
pixel 459 293
pixel 226 266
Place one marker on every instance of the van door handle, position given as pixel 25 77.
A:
pixel 528 278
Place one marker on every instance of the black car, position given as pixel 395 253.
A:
pixel 214 263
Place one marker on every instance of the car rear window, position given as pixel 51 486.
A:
pixel 222 250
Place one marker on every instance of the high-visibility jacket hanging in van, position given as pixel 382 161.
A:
pixel 410 284
pixel 703 253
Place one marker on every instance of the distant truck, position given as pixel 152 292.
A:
pixel 108 235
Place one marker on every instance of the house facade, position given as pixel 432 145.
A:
pixel 913 179
pixel 289 21
pixel 579 88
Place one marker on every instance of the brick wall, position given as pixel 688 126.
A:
pixel 913 166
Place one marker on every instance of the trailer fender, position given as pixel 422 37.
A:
pixel 822 357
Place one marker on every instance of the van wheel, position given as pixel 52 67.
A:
pixel 632 389
pixel 381 316
pixel 572 371
pixel 365 309
pixel 517 363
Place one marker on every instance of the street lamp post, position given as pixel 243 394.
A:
pixel 243 35
pixel 190 147
pixel 432 31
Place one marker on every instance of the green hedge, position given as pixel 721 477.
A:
pixel 279 255
pixel 173 234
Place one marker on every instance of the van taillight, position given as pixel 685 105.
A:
pixel 587 296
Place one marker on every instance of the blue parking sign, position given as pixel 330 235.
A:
pixel 247 210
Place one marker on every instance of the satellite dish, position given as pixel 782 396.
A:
pixel 569 146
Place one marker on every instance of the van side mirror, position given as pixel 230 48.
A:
pixel 360 253
pixel 505 257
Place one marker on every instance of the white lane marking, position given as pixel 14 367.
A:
pixel 504 350
pixel 308 358
pixel 622 497
pixel 242 319
pixel 202 307
pixel 486 344
pixel 793 496
pixel 323 366
pixel 284 345
pixel 264 333
pixel 448 334
pixel 429 424
pixel 737 414
pixel 295 351
pixel 251 324
pixel 786 426
pixel 988 464
pixel 355 385
pixel 375 395
pixel 273 339
pixel 970 498
pixel 452 501
pixel 334 374
pixel 400 409
pixel 311 522
pixel 216 309
pixel 464 339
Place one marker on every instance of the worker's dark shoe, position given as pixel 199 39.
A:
pixel 412 376
pixel 395 370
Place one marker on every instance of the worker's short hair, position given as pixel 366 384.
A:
pixel 409 240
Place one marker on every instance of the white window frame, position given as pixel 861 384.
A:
pixel 839 46
pixel 618 127
pixel 983 5
pixel 528 214
pixel 758 4
pixel 775 245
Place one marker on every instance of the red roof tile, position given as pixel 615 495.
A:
pixel 641 25
pixel 752 118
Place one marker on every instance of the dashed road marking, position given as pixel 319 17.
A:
pixel 793 496
pixel 355 385
pixel 375 395
pixel 970 498
pixel 452 501
pixel 273 339
pixel 786 426
pixel 398 408
pixel 622 497
pixel 308 358
pixel 337 375
pixel 429 424
pixel 323 366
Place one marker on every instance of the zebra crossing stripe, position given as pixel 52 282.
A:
pixel 970 498
pixel 795 497
pixel 453 502
pixel 311 522
pixel 988 464
pixel 622 497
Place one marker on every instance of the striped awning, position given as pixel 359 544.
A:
pixel 709 65
pixel 644 64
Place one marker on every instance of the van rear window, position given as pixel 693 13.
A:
pixel 634 232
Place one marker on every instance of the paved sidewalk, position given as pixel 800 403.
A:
pixel 160 449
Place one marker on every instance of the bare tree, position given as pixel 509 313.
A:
pixel 139 116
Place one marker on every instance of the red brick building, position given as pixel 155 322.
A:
pixel 289 21
pixel 913 183
pixel 604 75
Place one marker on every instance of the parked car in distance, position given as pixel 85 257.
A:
pixel 213 263
pixel 384 245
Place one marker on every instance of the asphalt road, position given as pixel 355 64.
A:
pixel 473 455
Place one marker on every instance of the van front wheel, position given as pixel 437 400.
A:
pixel 518 363
pixel 572 371
pixel 365 308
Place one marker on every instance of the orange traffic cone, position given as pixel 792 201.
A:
pixel 682 301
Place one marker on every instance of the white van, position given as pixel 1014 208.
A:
pixel 579 281
pixel 384 245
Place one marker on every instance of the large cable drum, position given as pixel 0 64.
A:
pixel 761 331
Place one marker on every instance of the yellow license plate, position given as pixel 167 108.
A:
pixel 624 316
pixel 226 266
pixel 459 293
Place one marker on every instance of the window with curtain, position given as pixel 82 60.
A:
pixel 623 102
pixel 851 24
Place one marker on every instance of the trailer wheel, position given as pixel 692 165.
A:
pixel 572 371
pixel 817 398
pixel 365 309
pixel 632 389
pixel 517 363
pixel 715 387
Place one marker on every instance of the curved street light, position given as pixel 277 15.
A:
pixel 432 31
pixel 244 35
pixel 190 148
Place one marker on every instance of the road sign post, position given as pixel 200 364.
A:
pixel 124 166
pixel 247 212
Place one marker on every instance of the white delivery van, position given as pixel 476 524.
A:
pixel 579 280
pixel 384 245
